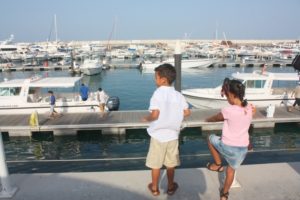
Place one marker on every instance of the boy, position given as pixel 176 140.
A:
pixel 167 110
pixel 53 113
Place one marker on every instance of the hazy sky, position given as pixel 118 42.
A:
pixel 31 20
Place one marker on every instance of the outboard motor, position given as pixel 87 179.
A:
pixel 113 103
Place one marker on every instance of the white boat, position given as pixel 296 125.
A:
pixel 261 90
pixel 185 64
pixel 91 67
pixel 24 96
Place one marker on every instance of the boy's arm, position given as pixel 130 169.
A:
pixel 186 112
pixel 215 118
pixel 154 114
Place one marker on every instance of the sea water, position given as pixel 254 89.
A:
pixel 134 88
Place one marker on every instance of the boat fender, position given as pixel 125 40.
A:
pixel 34 119
pixel 270 110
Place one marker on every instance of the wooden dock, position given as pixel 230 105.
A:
pixel 36 68
pixel 135 65
pixel 117 122
pixel 252 64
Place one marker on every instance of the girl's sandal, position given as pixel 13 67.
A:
pixel 153 192
pixel 224 195
pixel 219 169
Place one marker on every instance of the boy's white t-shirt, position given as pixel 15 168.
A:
pixel 171 105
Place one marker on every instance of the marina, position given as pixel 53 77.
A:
pixel 77 81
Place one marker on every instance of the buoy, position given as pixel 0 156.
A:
pixel 46 63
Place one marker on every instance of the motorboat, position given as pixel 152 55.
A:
pixel 185 64
pixel 21 96
pixel 262 89
pixel 91 67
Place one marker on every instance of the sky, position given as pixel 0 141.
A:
pixel 86 20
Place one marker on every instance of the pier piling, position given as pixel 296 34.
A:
pixel 6 190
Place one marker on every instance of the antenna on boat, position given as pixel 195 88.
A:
pixel 51 29
pixel 112 33
pixel 216 33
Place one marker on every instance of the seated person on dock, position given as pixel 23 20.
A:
pixel 84 92
pixel 296 94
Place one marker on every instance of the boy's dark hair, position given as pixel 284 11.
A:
pixel 100 89
pixel 235 87
pixel 50 92
pixel 166 71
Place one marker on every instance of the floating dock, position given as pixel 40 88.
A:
pixel 117 122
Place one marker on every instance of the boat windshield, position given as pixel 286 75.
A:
pixel 254 83
pixel 11 91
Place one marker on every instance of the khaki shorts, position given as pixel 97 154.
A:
pixel 162 153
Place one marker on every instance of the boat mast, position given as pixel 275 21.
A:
pixel 225 39
pixel 55 28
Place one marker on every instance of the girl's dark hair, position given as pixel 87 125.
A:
pixel 166 71
pixel 236 88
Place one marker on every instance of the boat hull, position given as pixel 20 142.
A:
pixel 91 71
pixel 205 102
pixel 185 64
pixel 44 108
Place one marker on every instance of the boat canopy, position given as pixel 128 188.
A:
pixel 48 82
pixel 266 75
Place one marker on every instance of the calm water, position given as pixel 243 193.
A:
pixel 134 90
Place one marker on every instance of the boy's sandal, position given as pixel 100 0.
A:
pixel 224 195
pixel 219 169
pixel 172 190
pixel 153 192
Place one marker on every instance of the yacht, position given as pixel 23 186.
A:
pixel 185 64
pixel 21 96
pixel 91 67
pixel 262 89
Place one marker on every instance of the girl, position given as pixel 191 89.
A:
pixel 233 144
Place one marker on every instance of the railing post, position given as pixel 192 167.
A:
pixel 235 183
pixel 177 58
pixel 6 190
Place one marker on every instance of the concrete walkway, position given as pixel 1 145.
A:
pixel 279 181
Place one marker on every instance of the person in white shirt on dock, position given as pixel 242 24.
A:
pixel 296 93
pixel 167 111
pixel 102 98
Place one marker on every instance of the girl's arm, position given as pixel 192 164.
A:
pixel 215 118
pixel 253 110
pixel 152 116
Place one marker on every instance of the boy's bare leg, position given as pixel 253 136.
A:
pixel 101 107
pixel 215 155
pixel 155 178
pixel 228 180
pixel 170 175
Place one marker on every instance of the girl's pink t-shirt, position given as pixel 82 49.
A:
pixel 236 125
